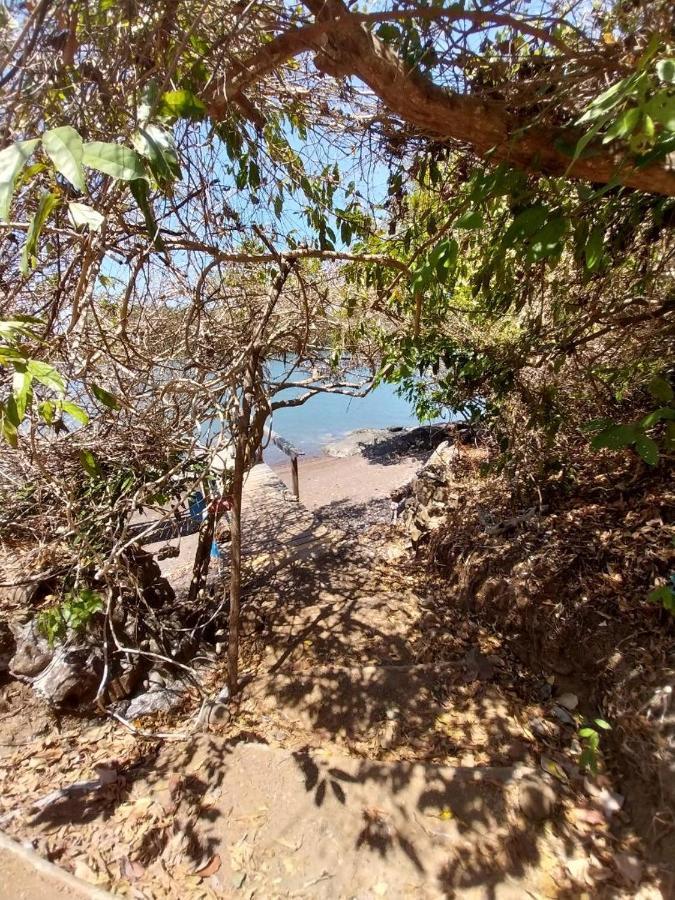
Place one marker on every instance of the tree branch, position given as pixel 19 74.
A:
pixel 344 47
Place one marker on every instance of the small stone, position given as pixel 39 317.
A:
pixel 536 799
pixel 562 715
pixel 569 701
pixel 154 701
pixel 155 680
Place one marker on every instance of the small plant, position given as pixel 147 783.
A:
pixel 665 595
pixel 590 736
pixel 613 436
pixel 74 613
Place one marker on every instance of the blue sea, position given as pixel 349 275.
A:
pixel 326 418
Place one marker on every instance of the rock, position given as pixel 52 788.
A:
pixel 539 727
pixel 478 665
pixel 562 715
pixel 215 710
pixel 156 680
pixel 33 653
pixel 72 674
pixel 569 701
pixel 163 699
pixel 536 799
pixel 608 802
pixel 442 456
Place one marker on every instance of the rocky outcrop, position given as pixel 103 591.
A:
pixel 425 501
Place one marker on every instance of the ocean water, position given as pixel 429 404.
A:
pixel 325 418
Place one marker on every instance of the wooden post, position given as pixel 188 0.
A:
pixel 296 480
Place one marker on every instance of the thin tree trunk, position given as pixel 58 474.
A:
pixel 235 565
pixel 200 569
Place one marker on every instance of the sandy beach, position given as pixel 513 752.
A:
pixel 353 491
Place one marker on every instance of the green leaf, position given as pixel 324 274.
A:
pixel 669 438
pixel 548 241
pixel 157 145
pixel 624 125
pixel 601 723
pixel 525 224
pixel 661 108
pixel 607 100
pixel 47 410
pixel 660 389
pixel 647 448
pixel 665 70
pixel 90 463
pixel 182 104
pixel 12 160
pixel 586 732
pixel 21 390
pixel 594 250
pixel 47 375
pixel 8 429
pixel 658 415
pixel 114 160
pixel 615 437
pixel 139 189
pixel 65 149
pixel 83 214
pixel 663 595
pixel 105 397
pixel 471 219
pixel 75 411
pixel 29 259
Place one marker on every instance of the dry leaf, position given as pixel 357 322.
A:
pixel 210 868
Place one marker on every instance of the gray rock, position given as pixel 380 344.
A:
pixel 156 680
pixel 33 653
pixel 569 701
pixel 216 709
pixel 164 699
pixel 562 715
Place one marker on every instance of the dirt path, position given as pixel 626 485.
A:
pixel 384 745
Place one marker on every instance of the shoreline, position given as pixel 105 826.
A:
pixel 351 486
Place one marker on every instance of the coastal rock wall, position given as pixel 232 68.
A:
pixel 425 501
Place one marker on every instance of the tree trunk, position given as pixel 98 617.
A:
pixel 235 565
pixel 200 569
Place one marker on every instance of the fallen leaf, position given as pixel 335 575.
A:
pixel 551 766
pixel 210 868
